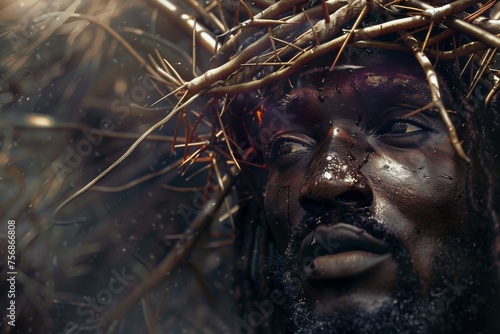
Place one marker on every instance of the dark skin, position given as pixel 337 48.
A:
pixel 351 151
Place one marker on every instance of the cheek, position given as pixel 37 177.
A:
pixel 421 198
pixel 283 211
pixel 427 190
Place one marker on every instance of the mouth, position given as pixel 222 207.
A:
pixel 341 251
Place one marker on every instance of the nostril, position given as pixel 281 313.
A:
pixel 339 191
pixel 335 196
pixel 355 198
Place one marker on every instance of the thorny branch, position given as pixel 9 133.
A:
pixel 436 95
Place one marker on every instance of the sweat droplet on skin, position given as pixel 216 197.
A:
pixel 313 242
pixel 350 179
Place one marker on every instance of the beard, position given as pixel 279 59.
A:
pixel 456 303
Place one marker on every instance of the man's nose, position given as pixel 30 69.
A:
pixel 334 179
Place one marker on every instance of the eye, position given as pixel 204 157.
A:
pixel 404 132
pixel 399 127
pixel 286 148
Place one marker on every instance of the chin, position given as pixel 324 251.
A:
pixel 403 312
pixel 453 304
pixel 368 292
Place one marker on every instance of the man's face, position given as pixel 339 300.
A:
pixel 368 204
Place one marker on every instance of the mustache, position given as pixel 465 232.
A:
pixel 360 219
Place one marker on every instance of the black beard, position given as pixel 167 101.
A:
pixel 455 305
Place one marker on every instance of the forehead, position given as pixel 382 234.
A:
pixel 382 79
pixel 374 70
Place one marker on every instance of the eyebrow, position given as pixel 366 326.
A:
pixel 283 105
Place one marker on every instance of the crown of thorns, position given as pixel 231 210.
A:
pixel 249 56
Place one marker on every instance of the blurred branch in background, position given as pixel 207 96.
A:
pixel 77 90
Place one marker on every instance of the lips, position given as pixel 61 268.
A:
pixel 341 251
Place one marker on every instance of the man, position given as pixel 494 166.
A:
pixel 376 223
pixel 368 205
